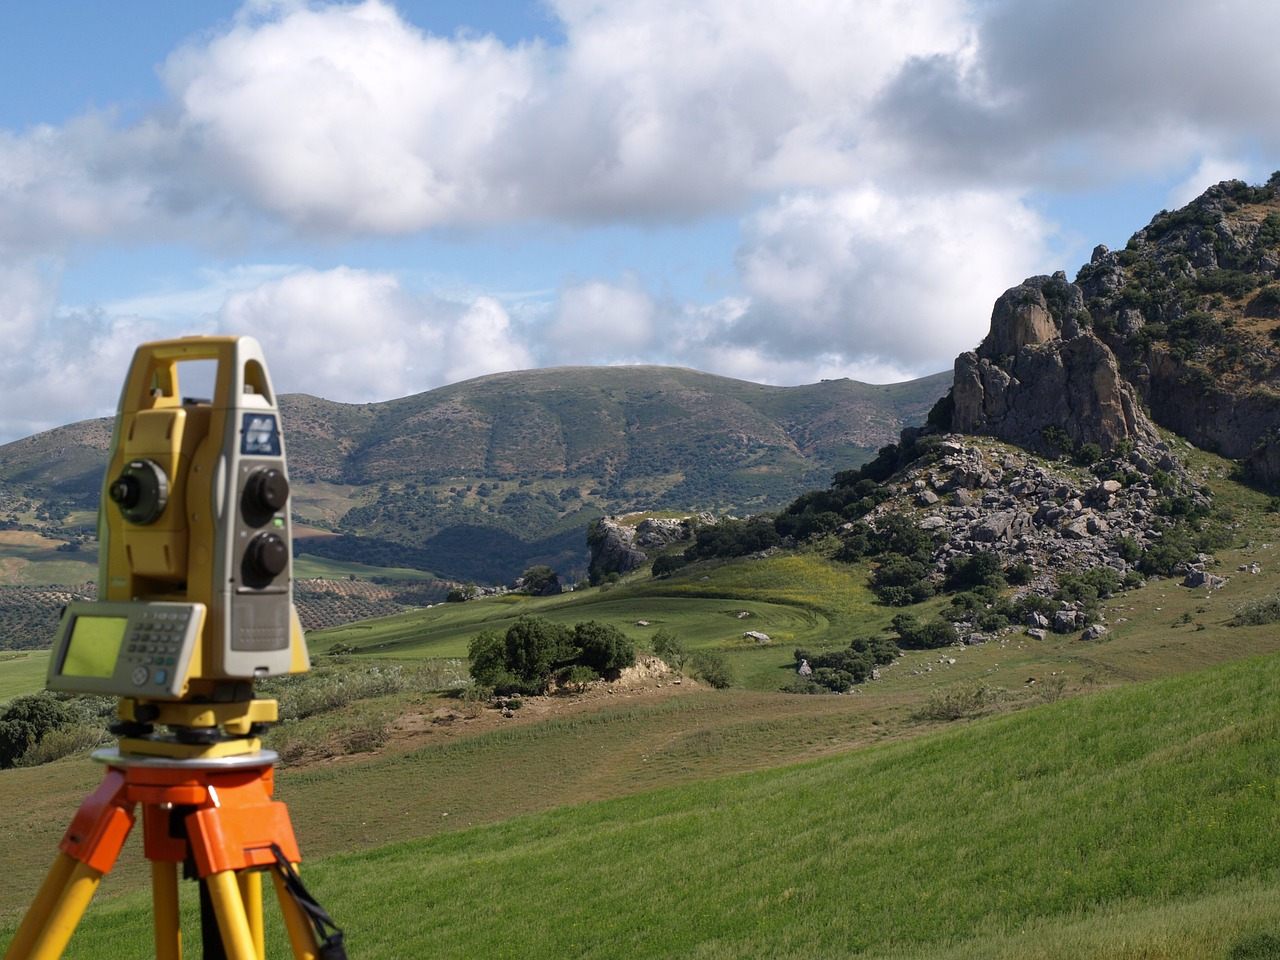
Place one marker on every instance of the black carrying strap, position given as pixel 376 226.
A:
pixel 329 944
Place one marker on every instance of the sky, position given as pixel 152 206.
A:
pixel 394 196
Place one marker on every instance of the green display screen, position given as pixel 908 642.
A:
pixel 94 646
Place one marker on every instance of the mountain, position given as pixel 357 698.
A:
pixel 1191 309
pixel 481 479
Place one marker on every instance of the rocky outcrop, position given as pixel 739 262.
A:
pixel 1039 379
pixel 1188 308
pixel 613 547
pixel 618 546
pixel 976 496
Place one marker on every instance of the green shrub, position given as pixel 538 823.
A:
pixel 982 569
pixel 573 678
pixel 1257 613
pixel 603 647
pixel 915 635
pixel 901 581
pixel 957 704
pixel 28 719
pixel 63 742
pixel 670 649
pixel 668 564
pixel 711 668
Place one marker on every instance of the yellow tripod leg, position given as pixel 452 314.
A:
pixel 61 909
pixel 251 895
pixel 164 899
pixel 301 936
pixel 37 916
pixel 233 924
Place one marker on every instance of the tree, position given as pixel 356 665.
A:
pixel 603 647
pixel 488 654
pixel 668 564
pixel 541 581
pixel 533 646
pixel 25 721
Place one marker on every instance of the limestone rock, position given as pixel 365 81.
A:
pixel 1037 371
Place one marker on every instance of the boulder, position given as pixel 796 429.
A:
pixel 1037 378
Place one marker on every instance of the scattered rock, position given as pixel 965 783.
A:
pixel 1200 578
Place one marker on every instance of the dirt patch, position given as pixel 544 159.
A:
pixel 436 722
pixel 25 538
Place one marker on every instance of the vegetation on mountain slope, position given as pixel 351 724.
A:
pixel 483 479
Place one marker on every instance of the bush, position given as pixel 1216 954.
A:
pixel 670 649
pixel 840 670
pixel 982 569
pixel 27 720
pixel 1019 574
pixel 603 647
pixel 1257 613
pixel 901 581
pixel 1174 547
pixel 574 678
pixel 668 564
pixel 733 538
pixel 711 668
pixel 959 703
pixel 62 742
pixel 532 646
pixel 540 581
pixel 534 652
pixel 914 635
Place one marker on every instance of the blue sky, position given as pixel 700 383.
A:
pixel 395 196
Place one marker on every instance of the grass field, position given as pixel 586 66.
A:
pixel 1137 822
pixel 1125 804
pixel 21 672
pixel 29 559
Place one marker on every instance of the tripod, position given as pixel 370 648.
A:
pixel 216 816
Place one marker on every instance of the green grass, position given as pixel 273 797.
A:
pixel 309 566
pixel 22 672
pixel 1138 822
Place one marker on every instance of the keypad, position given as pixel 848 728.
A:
pixel 153 644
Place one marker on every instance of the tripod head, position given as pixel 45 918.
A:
pixel 195 568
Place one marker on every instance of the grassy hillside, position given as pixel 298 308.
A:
pixel 482 479
pixel 1124 804
pixel 1139 822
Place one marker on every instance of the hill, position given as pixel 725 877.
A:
pixel 1191 309
pixel 479 480
pixel 1131 823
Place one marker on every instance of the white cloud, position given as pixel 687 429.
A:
pixel 1209 171
pixel 598 322
pixel 63 367
pixel 864 278
pixel 481 341
pixel 891 153
pixel 348 119
pixel 1065 91
pixel 358 336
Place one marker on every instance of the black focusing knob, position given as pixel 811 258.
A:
pixel 141 491
pixel 266 490
pixel 265 558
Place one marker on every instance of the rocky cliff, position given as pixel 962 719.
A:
pixel 1180 329
pixel 1041 379
pixel 1190 310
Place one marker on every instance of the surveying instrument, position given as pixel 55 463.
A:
pixel 195 602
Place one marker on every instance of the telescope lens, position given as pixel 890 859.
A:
pixel 141 491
